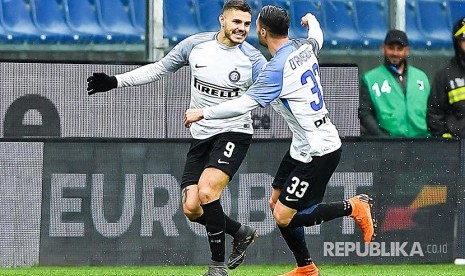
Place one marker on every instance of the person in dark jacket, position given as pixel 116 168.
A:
pixel 446 104
pixel 393 96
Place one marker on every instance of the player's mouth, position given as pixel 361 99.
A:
pixel 239 34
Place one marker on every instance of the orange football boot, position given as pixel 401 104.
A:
pixel 308 270
pixel 361 212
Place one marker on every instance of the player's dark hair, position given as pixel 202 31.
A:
pixel 275 19
pixel 237 5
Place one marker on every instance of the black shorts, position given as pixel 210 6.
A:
pixel 224 151
pixel 304 184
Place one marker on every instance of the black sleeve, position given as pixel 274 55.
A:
pixel 366 113
pixel 437 105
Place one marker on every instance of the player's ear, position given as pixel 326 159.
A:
pixel 221 19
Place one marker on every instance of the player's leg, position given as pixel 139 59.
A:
pixel 294 237
pixel 211 184
pixel 313 215
pixel 312 179
pixel 226 156
pixel 300 200
pixel 295 240
pixel 191 204
pixel 196 161
pixel 301 197
pixel 358 207
pixel 194 212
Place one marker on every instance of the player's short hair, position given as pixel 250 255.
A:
pixel 275 19
pixel 237 5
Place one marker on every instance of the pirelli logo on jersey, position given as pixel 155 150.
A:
pixel 215 90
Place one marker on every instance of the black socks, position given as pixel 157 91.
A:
pixel 295 239
pixel 231 226
pixel 294 234
pixel 317 214
pixel 215 224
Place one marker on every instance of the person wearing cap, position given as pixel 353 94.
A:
pixel 393 96
pixel 446 104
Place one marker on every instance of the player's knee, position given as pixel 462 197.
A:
pixel 192 211
pixel 207 195
pixel 191 217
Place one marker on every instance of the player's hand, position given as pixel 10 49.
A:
pixel 100 82
pixel 274 198
pixel 307 18
pixel 192 115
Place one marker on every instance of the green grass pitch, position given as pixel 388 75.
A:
pixel 244 270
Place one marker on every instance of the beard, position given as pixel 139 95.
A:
pixel 231 35
pixel 397 64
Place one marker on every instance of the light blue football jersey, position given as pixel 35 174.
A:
pixel 218 73
pixel 290 82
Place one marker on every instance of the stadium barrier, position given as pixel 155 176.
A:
pixel 84 201
pixel 50 99
pixel 71 198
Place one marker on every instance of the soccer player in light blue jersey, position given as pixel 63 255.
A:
pixel 290 82
pixel 223 65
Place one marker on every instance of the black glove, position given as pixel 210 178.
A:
pixel 100 82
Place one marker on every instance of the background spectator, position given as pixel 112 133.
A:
pixel 446 104
pixel 393 96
